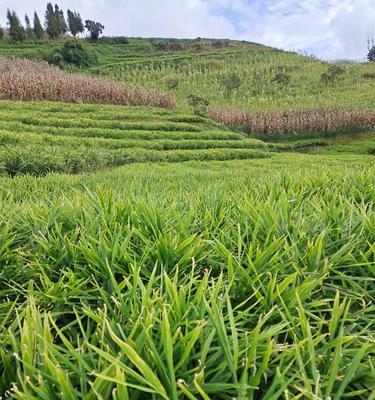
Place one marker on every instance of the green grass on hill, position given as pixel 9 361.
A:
pixel 200 68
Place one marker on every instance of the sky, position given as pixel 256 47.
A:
pixel 328 29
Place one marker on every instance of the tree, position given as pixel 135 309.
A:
pixel 231 83
pixel 59 15
pixel 79 23
pixel 51 22
pixel 95 29
pixel 29 30
pixel 16 30
pixel 38 28
pixel 371 54
pixel 75 23
pixel 72 23
pixel 2 33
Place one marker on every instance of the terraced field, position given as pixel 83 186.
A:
pixel 41 137
pixel 55 137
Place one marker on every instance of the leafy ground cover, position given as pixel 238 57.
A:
pixel 246 279
pixel 41 137
pixel 37 138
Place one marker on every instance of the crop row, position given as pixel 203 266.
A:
pixel 8 138
pixel 119 133
pixel 40 159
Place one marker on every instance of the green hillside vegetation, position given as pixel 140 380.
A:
pixel 38 138
pixel 41 137
pixel 202 67
pixel 153 253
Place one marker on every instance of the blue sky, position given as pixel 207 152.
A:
pixel 329 29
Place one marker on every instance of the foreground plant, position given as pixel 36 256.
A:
pixel 262 292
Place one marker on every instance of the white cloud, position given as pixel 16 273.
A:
pixel 330 29
pixel 327 28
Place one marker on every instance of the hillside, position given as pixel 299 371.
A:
pixel 200 67
pixel 150 252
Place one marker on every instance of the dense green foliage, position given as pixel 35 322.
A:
pixel 94 28
pixel 38 138
pixel 216 281
pixel 16 30
pixel 75 23
pixel 38 28
pixel 54 25
pixel 371 54
pixel 72 53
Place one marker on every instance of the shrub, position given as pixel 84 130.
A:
pixel 174 47
pixel 332 74
pixel 231 83
pixel 282 78
pixel 371 54
pixel 368 75
pixel 158 44
pixel 172 83
pixel 220 44
pixel 72 53
pixel 120 40
pixel 199 104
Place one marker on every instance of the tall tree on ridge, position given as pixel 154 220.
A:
pixel 16 30
pixel 95 29
pixel 29 30
pixel 51 22
pixel 79 23
pixel 38 28
pixel 72 23
pixel 63 27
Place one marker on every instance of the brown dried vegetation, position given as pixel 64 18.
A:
pixel 35 80
pixel 295 121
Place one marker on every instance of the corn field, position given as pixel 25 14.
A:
pixel 295 121
pixel 35 80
